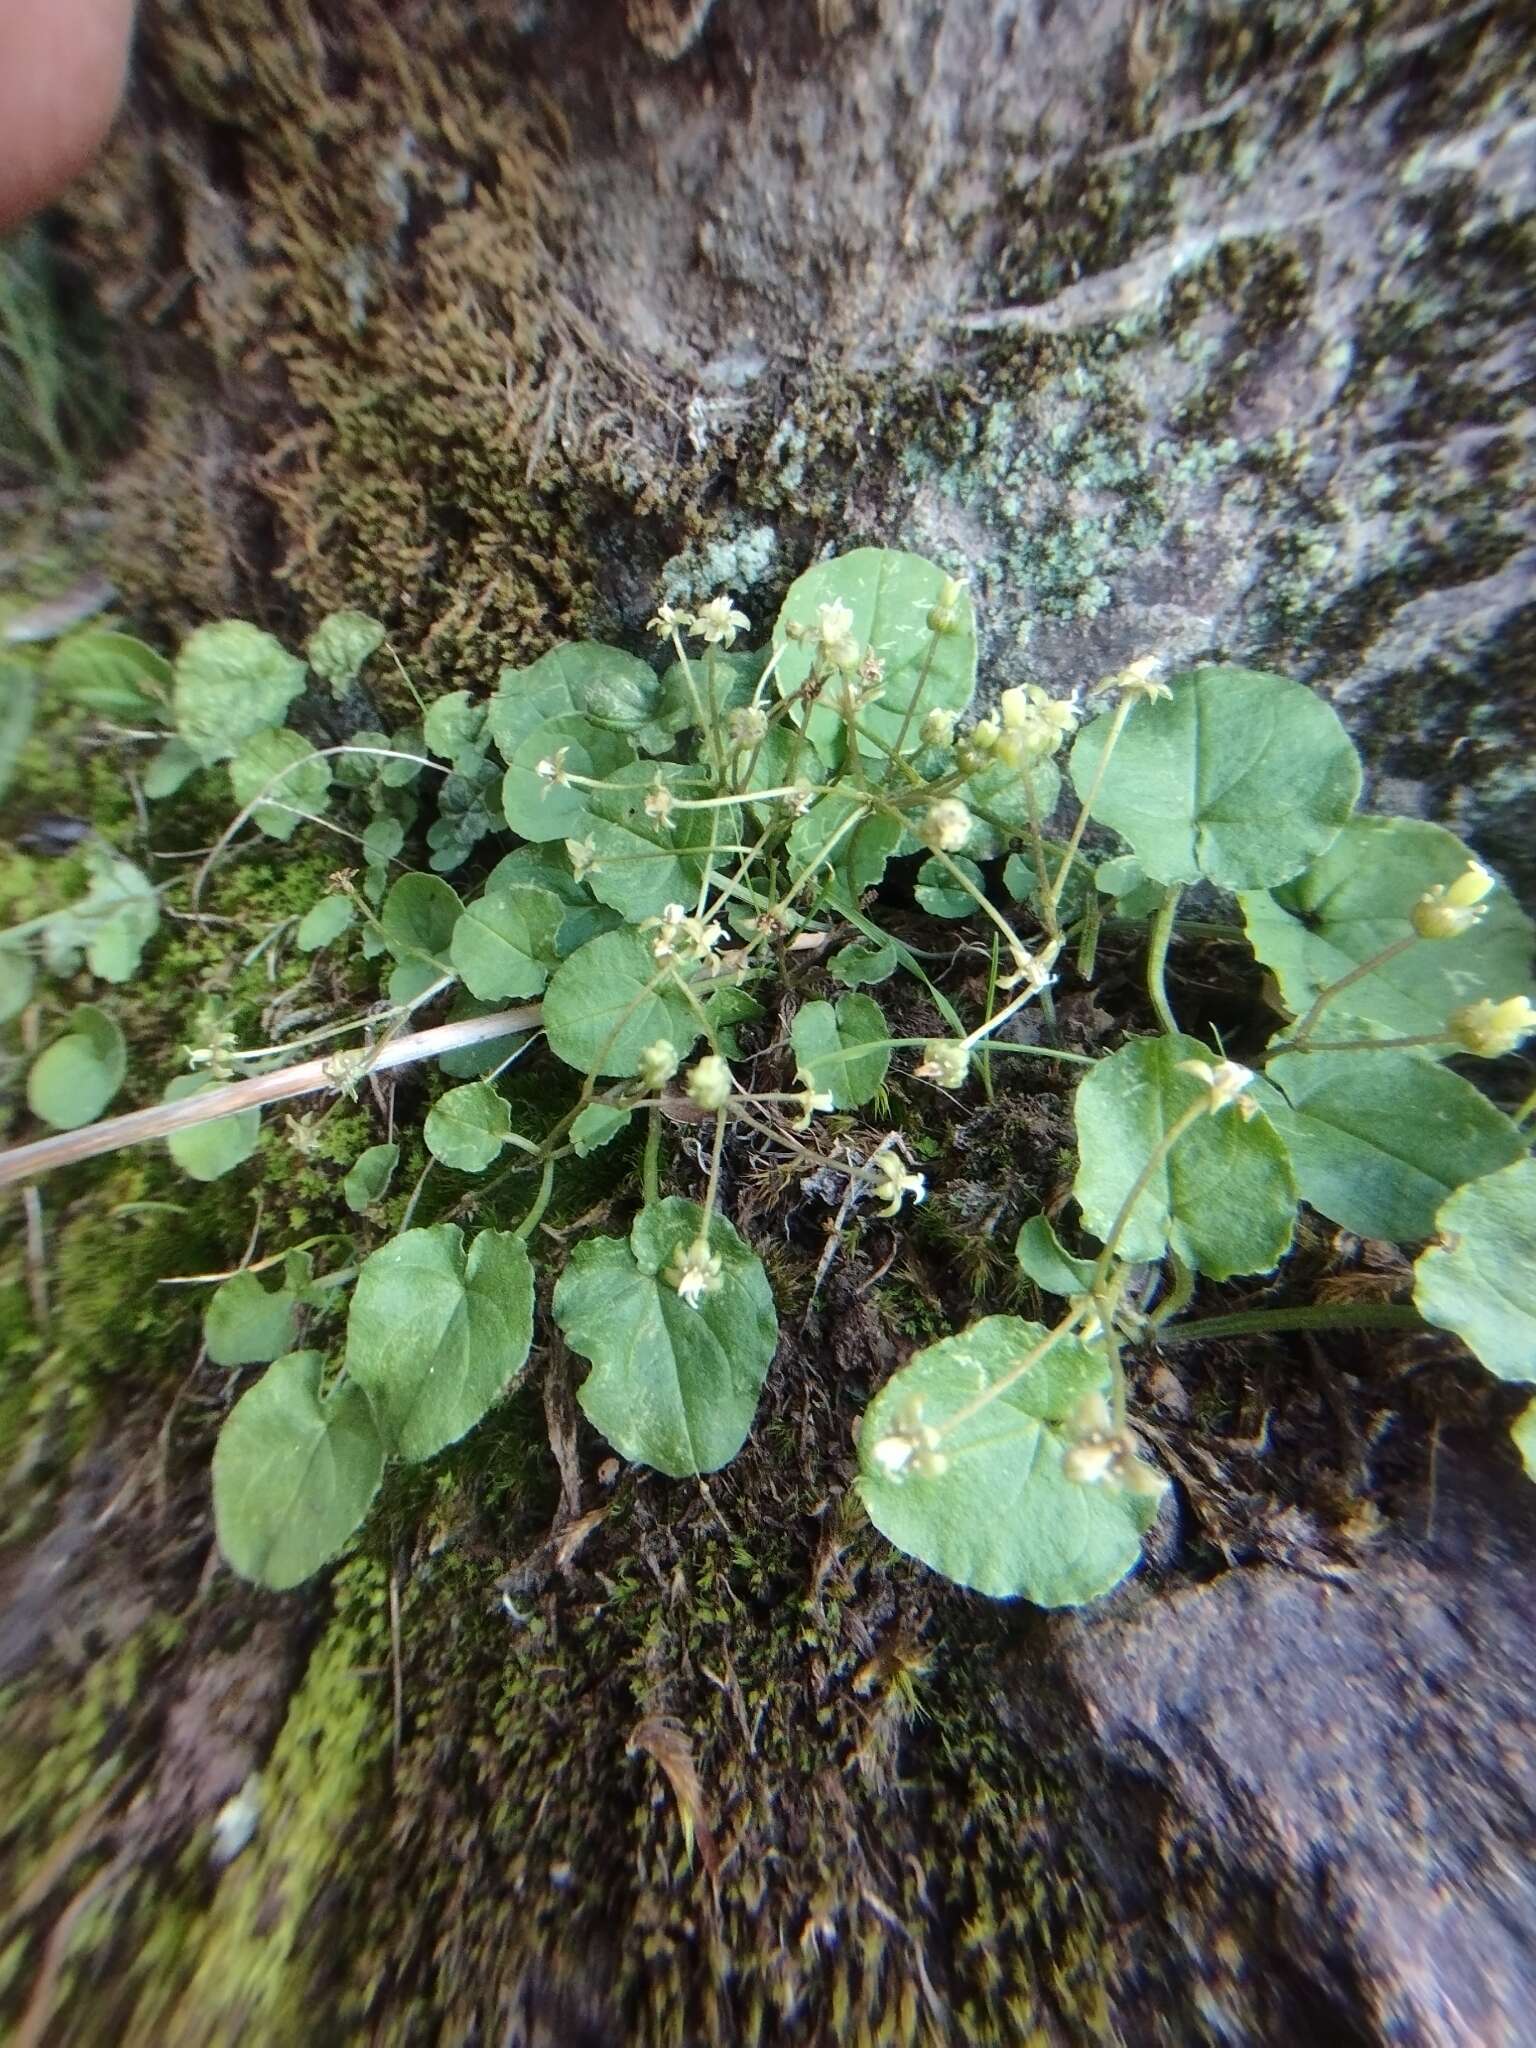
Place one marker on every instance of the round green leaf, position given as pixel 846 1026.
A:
pixel 1001 1516
pixel 18 975
pixel 609 1001
pixel 323 923
pixel 890 595
pixel 1046 1261
pixel 505 943
pixel 231 680
pixel 856 855
pixel 175 764
pixel 1224 1198
pixel 1356 901
pixel 368 1180
pixel 611 688
pixel 209 1151
pixel 542 809
pixel 112 923
pixel 1480 1279
pixel 248 1323
pixel 112 674
pixel 842 1050
pixel 294 1473
pixel 1379 1139
pixel 673 1385
pixel 1239 777
pixel 340 645
pixel 644 863
pixel 74 1080
pixel 435 1338
pixel 940 894
pixel 597 1125
pixel 865 962
pixel 282 775
pixel 467 1127
pixel 419 917
pixel 454 727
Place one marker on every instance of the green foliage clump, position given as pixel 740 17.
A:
pixel 683 838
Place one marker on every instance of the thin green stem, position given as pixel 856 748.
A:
pixel 1325 996
pixel 1122 712
pixel 712 1191
pixel 534 1217
pixel 1322 1315
pixel 1157 957
pixel 650 1165
pixel 1357 1044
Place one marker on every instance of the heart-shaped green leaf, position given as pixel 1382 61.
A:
pixel 646 862
pixel 74 1080
pixel 1238 778
pixel 843 1049
pixel 434 1338
pixel 612 999
pixel 538 802
pixel 996 1511
pixel 209 1151
pixel 248 1323
pixel 323 923
pixel 340 646
pixel 294 1473
pixel 286 774
pixel 1379 1139
pixel 231 680
pixel 674 1382
pixel 1224 1198
pixel 890 596
pixel 467 1127
pixel 368 1181
pixel 1357 900
pixel 1480 1278
pixel 505 943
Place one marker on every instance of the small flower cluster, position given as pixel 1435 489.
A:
pixel 1138 678
pixel 1101 1455
pixel 716 622
pixel 911 1449
pixel 1224 1084
pixel 831 637
pixel 680 938
pixel 892 1183
pixel 694 1271
pixel 214 1043
pixel 1447 912
pixel 1492 1029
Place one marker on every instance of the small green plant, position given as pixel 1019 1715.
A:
pixel 658 854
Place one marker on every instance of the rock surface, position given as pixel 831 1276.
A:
pixel 1361 1749
pixel 1203 330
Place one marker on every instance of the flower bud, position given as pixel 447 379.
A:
pixel 946 825
pixel 658 1063
pixel 945 1060
pixel 938 729
pixel 709 1083
pixel 747 726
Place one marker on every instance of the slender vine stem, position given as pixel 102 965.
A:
pixel 1157 958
